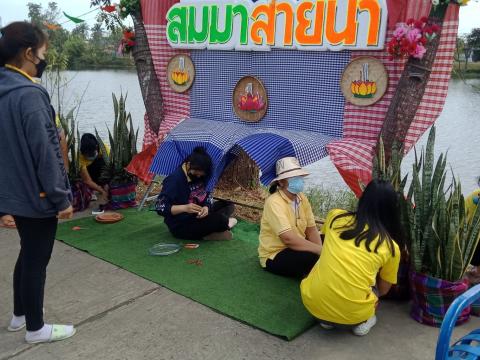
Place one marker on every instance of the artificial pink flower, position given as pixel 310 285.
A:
pixel 414 35
pixel 400 31
pixel 420 50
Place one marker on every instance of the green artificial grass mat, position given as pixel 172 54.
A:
pixel 228 279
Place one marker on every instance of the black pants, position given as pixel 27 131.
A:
pixel 95 170
pixel 215 221
pixel 36 239
pixel 476 257
pixel 292 263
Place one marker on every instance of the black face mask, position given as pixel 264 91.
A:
pixel 195 179
pixel 41 66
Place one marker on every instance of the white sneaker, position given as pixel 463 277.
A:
pixel 232 222
pixel 326 326
pixel 50 333
pixel 365 327
pixel 18 322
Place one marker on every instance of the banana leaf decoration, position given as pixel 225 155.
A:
pixel 73 19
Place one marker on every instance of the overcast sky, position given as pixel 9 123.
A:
pixel 12 10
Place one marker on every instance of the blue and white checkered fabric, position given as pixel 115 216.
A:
pixel 305 110
pixel 303 87
pixel 222 141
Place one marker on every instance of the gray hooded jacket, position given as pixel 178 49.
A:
pixel 33 180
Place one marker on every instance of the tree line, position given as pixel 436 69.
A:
pixel 83 47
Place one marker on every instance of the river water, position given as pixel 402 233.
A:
pixel 458 127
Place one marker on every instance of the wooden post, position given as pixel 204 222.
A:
pixel 411 88
pixel 147 77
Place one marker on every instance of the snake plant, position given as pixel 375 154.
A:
pixel 442 239
pixel 123 145
pixel 392 171
pixel 72 138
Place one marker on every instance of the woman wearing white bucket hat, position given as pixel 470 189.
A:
pixel 290 243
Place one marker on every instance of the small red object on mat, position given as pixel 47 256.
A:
pixel 76 228
pixel 191 246
pixel 197 262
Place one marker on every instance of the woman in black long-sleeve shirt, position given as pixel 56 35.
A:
pixel 187 206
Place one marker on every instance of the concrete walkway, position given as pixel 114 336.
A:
pixel 122 316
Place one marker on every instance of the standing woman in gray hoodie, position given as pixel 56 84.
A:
pixel 34 187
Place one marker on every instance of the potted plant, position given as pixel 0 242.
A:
pixel 123 147
pixel 81 193
pixel 441 238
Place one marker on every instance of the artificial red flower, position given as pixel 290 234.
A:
pixel 128 35
pixel 108 8
pixel 410 21
pixel 411 48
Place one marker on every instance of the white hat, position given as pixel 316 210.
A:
pixel 287 168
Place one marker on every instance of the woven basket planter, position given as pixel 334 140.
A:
pixel 431 298
pixel 122 196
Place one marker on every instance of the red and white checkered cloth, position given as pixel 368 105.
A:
pixel 176 106
pixel 353 154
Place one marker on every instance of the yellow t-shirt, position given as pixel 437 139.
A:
pixel 471 203
pixel 84 162
pixel 280 214
pixel 339 287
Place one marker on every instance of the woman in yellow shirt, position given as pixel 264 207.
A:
pixel 359 255
pixel 471 204
pixel 289 240
pixel 92 164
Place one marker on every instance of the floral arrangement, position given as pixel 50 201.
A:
pixel 180 77
pixel 127 43
pixel 124 8
pixel 251 103
pixel 410 38
pixel 180 74
pixel 364 88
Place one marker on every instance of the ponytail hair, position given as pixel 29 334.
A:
pixel 200 160
pixel 17 37
pixel 377 217
pixel 273 188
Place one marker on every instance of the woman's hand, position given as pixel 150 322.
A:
pixel 7 220
pixel 66 214
pixel 103 193
pixel 296 242
pixel 193 208
pixel 203 213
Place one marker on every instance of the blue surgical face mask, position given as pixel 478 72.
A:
pixel 295 185
pixel 92 158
